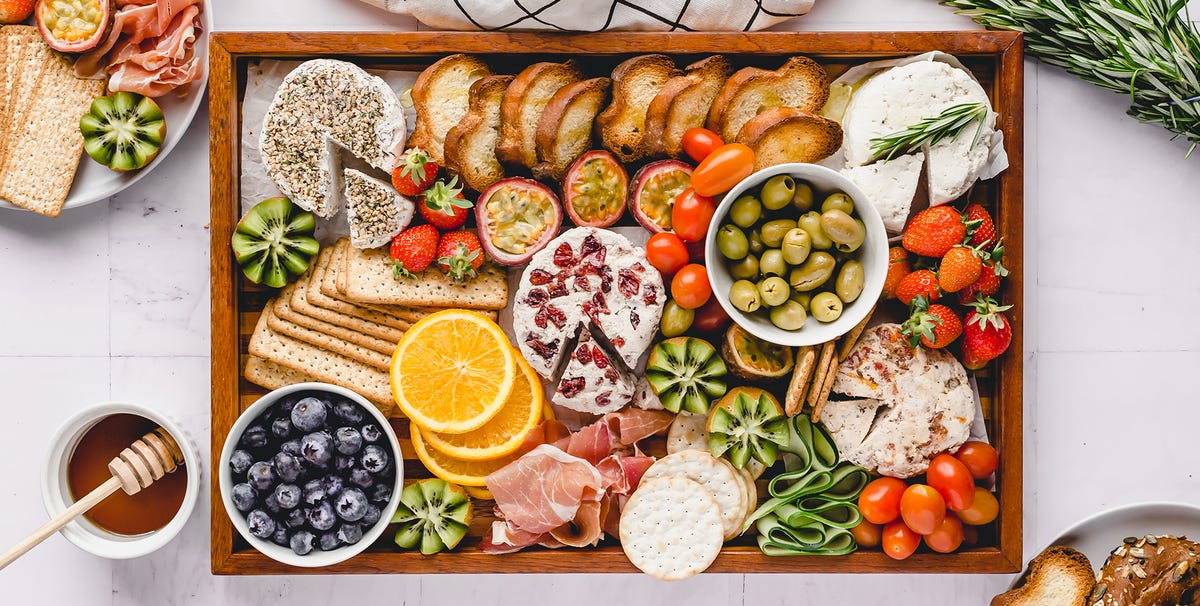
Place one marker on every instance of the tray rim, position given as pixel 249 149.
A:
pixel 227 48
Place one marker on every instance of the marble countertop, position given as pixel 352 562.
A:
pixel 111 302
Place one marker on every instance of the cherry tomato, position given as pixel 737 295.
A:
pixel 970 535
pixel 695 251
pixel 980 458
pixel 983 510
pixel 666 252
pixel 922 508
pixel 698 143
pixel 880 500
pixel 722 169
pixel 711 317
pixel 690 287
pixel 867 535
pixel 691 215
pixel 948 535
pixel 952 480
pixel 899 541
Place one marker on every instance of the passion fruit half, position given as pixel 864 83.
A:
pixel 517 217
pixel 653 192
pixel 749 357
pixel 594 189
pixel 73 26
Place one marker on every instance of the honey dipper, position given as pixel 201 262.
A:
pixel 146 460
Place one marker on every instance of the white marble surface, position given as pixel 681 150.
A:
pixel 111 302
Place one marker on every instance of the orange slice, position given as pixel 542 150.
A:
pixel 456 471
pixel 506 431
pixel 453 371
pixel 478 492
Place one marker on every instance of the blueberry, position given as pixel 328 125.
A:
pixel 351 505
pixel 261 476
pixel 281 536
pixel 316 448
pixel 287 495
pixel 272 505
pixel 347 440
pixel 255 436
pixel 302 542
pixel 330 541
pixel 348 412
pixel 381 494
pixel 361 477
pixel 285 406
pixel 281 428
pixel 295 518
pixel 372 516
pixel 261 525
pixel 343 462
pixel 314 491
pixel 240 462
pixel 291 447
pixel 334 485
pixel 287 466
pixel 243 497
pixel 374 459
pixel 350 533
pixel 308 414
pixel 370 433
pixel 321 517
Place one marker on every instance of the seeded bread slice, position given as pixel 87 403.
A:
pixel 565 129
pixel 1059 576
pixel 683 103
pixel 636 82
pixel 801 83
pixel 440 97
pixel 783 134
pixel 471 145
pixel 523 103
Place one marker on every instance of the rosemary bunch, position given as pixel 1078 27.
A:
pixel 1146 48
pixel 930 130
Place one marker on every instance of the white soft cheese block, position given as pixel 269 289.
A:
pixel 890 185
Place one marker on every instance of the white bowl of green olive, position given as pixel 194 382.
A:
pixel 796 254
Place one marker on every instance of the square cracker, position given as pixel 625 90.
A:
pixel 299 304
pixel 283 310
pixel 368 276
pixel 321 281
pixel 324 341
pixel 23 65
pixel 273 376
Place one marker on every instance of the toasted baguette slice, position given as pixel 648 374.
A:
pixel 636 82
pixel 783 134
pixel 471 145
pixel 565 129
pixel 440 97
pixel 800 83
pixel 522 106
pixel 1059 576
pixel 683 103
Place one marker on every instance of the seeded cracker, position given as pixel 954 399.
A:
pixel 671 528
pixel 369 280
pixel 322 280
pixel 23 66
pixel 716 477
pixel 324 341
pixel 299 304
pixel 283 311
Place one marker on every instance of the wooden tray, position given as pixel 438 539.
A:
pixel 994 57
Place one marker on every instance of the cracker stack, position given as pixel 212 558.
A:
pixel 41 102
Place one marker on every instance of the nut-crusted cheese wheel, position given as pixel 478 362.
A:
pixel 671 528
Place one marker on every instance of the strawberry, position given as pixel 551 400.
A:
pixel 934 326
pixel 898 267
pixel 960 268
pixel 413 251
pixel 15 11
pixel 934 231
pixel 922 282
pixel 443 205
pixel 979 226
pixel 987 333
pixel 459 254
pixel 415 173
pixel 988 283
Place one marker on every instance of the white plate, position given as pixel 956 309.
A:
pixel 94 182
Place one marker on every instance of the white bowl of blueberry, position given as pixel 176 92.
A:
pixel 311 474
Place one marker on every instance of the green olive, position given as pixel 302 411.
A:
pixel 796 246
pixel 826 307
pixel 815 272
pixel 803 298
pixel 745 211
pixel 773 231
pixel 789 316
pixel 839 201
pixel 846 233
pixel 756 243
pixel 772 264
pixel 675 320
pixel 746 269
pixel 744 296
pixel 853 245
pixel 774 291
pixel 811 223
pixel 849 282
pixel 802 200
pixel 777 192
pixel 732 242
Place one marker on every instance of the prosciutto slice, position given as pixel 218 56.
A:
pixel 150 48
pixel 543 489
pixel 621 474
pixel 632 425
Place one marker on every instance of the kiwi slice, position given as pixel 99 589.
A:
pixel 748 423
pixel 686 373
pixel 274 242
pixel 433 516
pixel 123 131
pixel 750 357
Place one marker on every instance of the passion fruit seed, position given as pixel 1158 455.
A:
pixel 600 193
pixel 518 218
pixel 660 193
pixel 72 20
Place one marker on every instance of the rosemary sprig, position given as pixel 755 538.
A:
pixel 945 125
pixel 1148 49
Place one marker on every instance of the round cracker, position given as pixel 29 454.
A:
pixel 745 492
pixel 713 474
pixel 671 528
pixel 751 492
pixel 690 431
